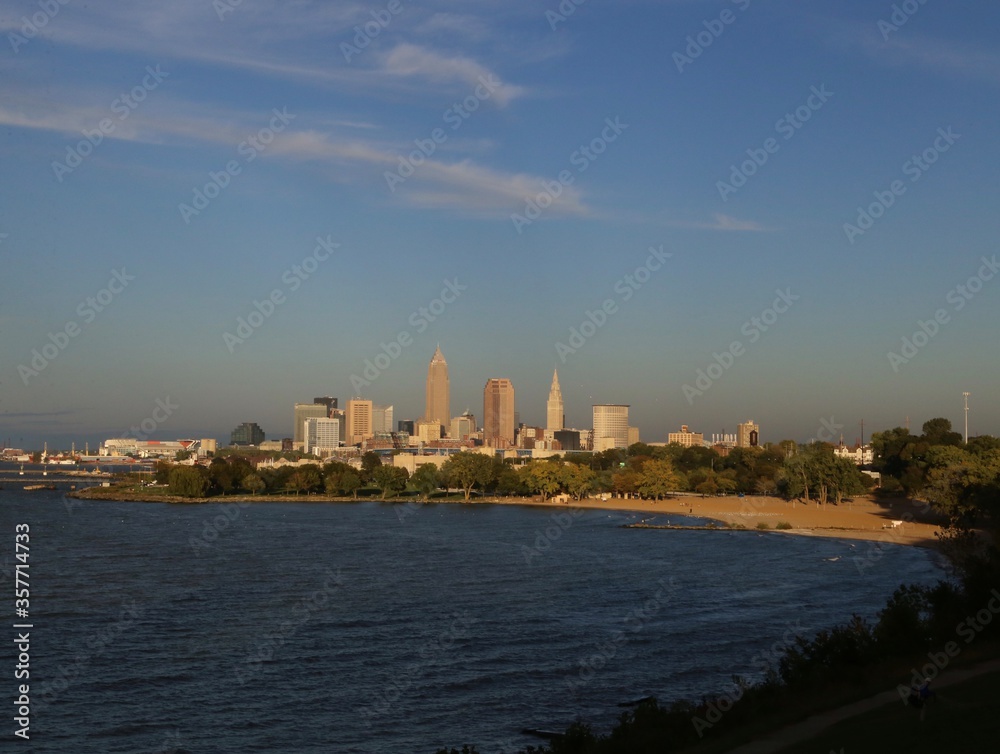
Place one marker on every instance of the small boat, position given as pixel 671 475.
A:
pixel 34 487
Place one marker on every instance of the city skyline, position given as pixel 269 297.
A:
pixel 829 429
pixel 228 213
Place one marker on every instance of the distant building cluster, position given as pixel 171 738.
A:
pixel 322 428
pixel 127 446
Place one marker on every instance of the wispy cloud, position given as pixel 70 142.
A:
pixel 35 414
pixel 411 60
pixel 468 27
pixel 460 184
pixel 725 222
pixel 911 49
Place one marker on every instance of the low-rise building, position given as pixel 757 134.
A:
pixel 861 456
pixel 686 437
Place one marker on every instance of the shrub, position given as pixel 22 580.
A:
pixel 763 525
pixel 783 525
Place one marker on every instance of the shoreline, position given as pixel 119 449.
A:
pixel 862 519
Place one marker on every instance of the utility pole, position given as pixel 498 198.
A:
pixel 966 397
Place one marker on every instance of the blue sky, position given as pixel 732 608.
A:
pixel 174 92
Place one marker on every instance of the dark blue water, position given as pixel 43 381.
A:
pixel 372 628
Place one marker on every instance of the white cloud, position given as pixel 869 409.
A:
pixel 409 60
pixel 725 222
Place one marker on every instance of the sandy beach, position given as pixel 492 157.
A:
pixel 863 518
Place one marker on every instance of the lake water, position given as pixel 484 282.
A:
pixel 376 628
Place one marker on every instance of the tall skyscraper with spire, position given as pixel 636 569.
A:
pixel 438 390
pixel 555 413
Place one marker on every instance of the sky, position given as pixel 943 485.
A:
pixel 713 211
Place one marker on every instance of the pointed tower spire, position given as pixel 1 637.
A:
pixel 438 390
pixel 555 418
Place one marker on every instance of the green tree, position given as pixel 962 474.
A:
pixel 578 480
pixel 222 475
pixel 189 481
pixel 938 432
pixel 708 487
pixel 162 472
pixel 508 482
pixel 369 462
pixel 391 480
pixel 658 479
pixel 543 477
pixel 426 479
pixel 253 483
pixel 982 444
pixel 350 483
pixel 697 457
pixel 640 449
pixel 467 470
pixel 305 479
pixel 625 481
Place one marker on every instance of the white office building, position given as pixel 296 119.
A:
pixel 322 436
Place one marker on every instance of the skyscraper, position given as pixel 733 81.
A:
pixel 463 426
pixel 610 426
pixel 438 404
pixel 382 419
pixel 554 411
pixel 498 413
pixel 248 433
pixel 747 434
pixel 359 421
pixel 305 411
pixel 321 435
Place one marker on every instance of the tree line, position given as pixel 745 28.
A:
pixel 794 471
